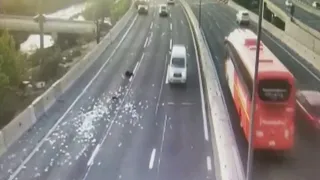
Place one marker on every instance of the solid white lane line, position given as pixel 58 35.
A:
pixel 150 38
pixel 114 118
pixel 151 162
pixel 209 165
pixel 141 57
pixel 94 154
pixel 167 75
pixel 162 142
pixel 218 25
pixel 134 70
pixel 145 43
pixel 187 103
pixel 22 165
pixel 161 87
pixel 203 106
pixel 170 44
pixel 136 67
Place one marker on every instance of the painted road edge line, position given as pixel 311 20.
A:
pixel 152 157
pixel 21 166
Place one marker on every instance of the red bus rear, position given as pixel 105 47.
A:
pixel 275 95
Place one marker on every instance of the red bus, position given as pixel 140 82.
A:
pixel 275 96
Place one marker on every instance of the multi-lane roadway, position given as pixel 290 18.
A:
pixel 303 161
pixel 117 127
pixel 307 18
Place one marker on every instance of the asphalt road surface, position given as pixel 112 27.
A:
pixel 307 18
pixel 218 20
pixel 136 128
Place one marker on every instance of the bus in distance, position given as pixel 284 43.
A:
pixel 275 96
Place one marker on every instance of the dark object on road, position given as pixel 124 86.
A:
pixel 128 74
pixel 114 98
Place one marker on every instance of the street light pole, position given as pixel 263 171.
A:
pixel 253 102
pixel 41 21
pixel 199 16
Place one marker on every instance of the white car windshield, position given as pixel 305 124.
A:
pixel 245 14
pixel 178 62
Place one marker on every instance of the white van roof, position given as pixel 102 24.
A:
pixel 179 50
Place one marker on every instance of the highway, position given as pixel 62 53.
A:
pixel 307 18
pixel 136 128
pixel 303 161
pixel 307 2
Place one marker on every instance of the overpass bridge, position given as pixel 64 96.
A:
pixel 51 25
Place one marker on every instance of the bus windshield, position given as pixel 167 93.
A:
pixel 274 90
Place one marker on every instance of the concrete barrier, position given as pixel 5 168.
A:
pixel 48 98
pixel 3 147
pixel 38 107
pixel 278 11
pixel 57 89
pixel 307 7
pixel 229 166
pixel 77 70
pixel 304 34
pixel 18 126
pixel 308 54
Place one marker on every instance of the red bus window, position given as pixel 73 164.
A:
pixel 274 90
pixel 315 110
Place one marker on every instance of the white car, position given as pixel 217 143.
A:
pixel 243 17
pixel 177 69
pixel 143 9
pixel 288 3
pixel 316 5
pixel 170 1
pixel 163 10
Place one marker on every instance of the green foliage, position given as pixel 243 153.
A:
pixel 30 7
pixel 50 65
pixel 98 9
pixel 119 9
pixel 46 63
pixel 12 70
pixel 11 62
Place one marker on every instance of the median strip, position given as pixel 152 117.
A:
pixel 228 166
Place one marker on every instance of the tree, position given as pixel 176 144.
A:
pixel 98 10
pixel 11 62
pixel 12 71
pixel 102 8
